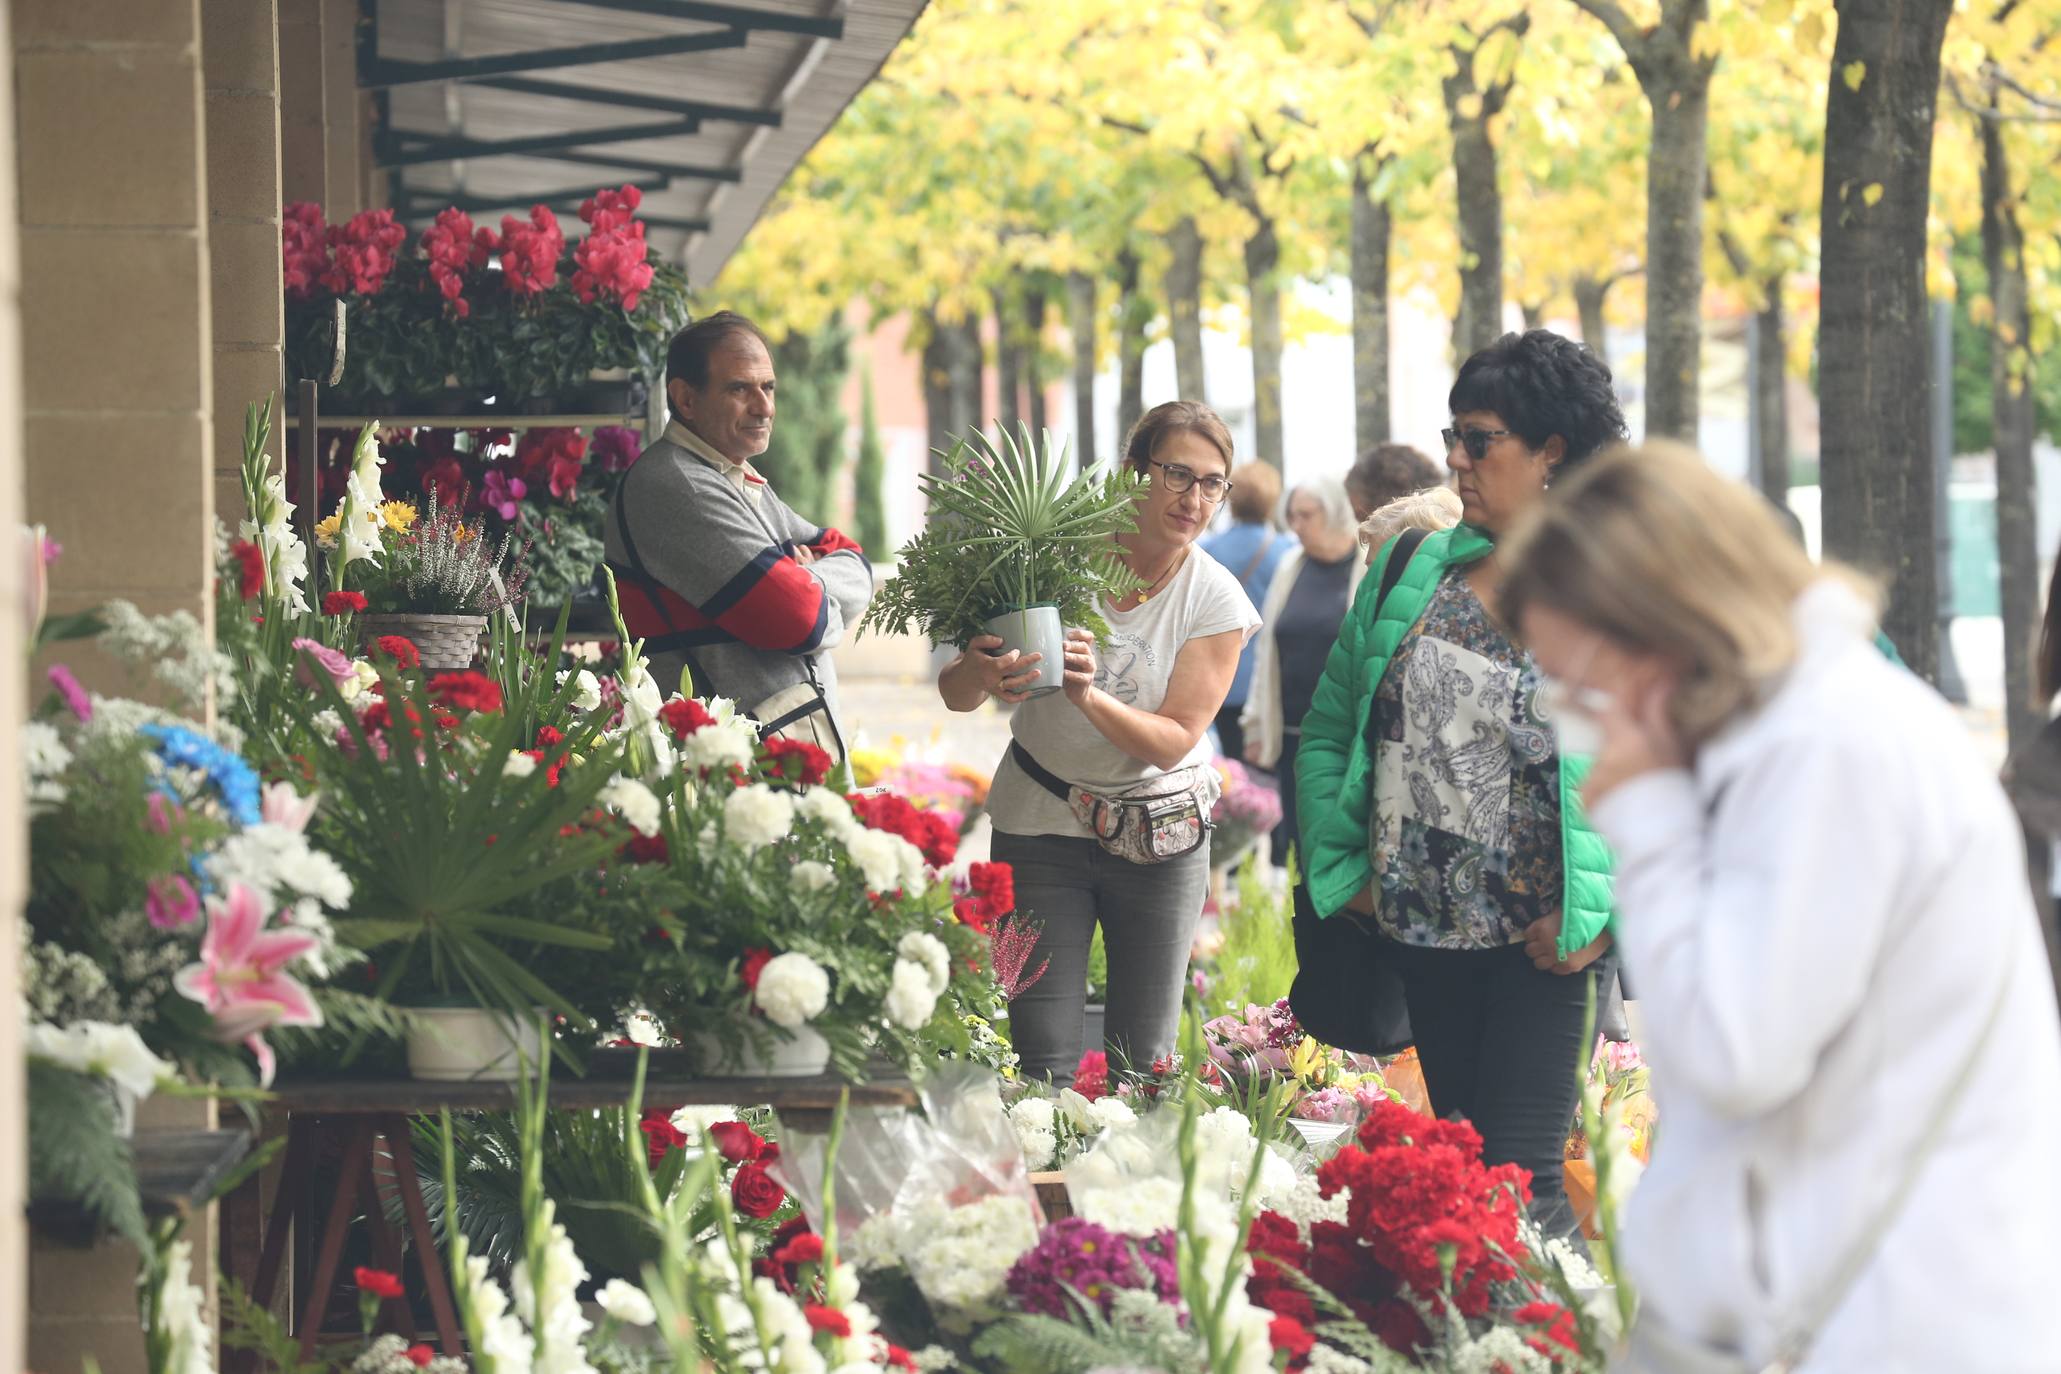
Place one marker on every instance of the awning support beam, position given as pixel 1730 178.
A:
pixel 735 16
pixel 413 198
pixel 378 73
pixel 633 100
pixel 423 149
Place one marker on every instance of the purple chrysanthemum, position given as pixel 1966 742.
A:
pixel 1077 1257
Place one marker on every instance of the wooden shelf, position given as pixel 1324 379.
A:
pixel 504 421
pixel 176 1171
pixel 375 1096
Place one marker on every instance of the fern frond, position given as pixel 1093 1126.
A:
pixel 75 1155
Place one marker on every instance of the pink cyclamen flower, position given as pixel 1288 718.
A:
pixel 331 661
pixel 164 813
pixel 287 808
pixel 241 977
pixel 172 903
pixel 503 494
pixel 74 695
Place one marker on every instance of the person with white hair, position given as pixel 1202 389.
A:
pixel 1305 604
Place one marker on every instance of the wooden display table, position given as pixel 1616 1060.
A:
pixel 368 1117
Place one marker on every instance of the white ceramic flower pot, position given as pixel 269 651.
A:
pixel 802 1054
pixel 1034 630
pixel 1318 1134
pixel 470 1044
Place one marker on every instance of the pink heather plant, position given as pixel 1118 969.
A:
pixel 1011 948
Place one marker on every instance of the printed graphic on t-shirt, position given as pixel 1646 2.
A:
pixel 1124 657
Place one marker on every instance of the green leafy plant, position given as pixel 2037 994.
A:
pixel 1256 963
pixel 75 1156
pixel 1011 526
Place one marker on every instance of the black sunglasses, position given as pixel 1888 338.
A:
pixel 1476 440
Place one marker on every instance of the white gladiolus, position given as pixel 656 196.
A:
pixel 793 990
pixel 286 557
pixel 103 1050
pixel 757 816
pixel 635 802
pixel 180 1316
pixel 920 947
pixel 549 1300
pixel 910 999
pixel 586 690
pixel 518 765
pixel 627 1303
pixel 504 1345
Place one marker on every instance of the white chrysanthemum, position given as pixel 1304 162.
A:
pixel 793 989
pixel 43 750
pixel 824 805
pixel 921 947
pixel 635 802
pixel 1034 1113
pixel 518 764
pixel 277 863
pixel 627 1303
pixel 1306 1204
pixel 910 997
pixel 811 875
pixel 586 690
pixel 1329 1359
pixel 1111 1113
pixel 757 816
pixel 1139 1207
pixel 115 1053
pixel 963 1254
pixel 1039 1147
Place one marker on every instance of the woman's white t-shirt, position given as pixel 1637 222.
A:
pixel 1133 666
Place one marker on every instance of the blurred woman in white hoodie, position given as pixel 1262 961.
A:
pixel 1822 895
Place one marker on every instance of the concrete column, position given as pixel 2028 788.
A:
pixel 303 142
pixel 343 112
pixel 14 861
pixel 240 69
pixel 117 387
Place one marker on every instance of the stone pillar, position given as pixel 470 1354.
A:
pixel 117 390
pixel 240 69
pixel 13 826
pixel 343 112
pixel 304 153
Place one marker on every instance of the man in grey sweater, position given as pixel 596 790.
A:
pixel 715 573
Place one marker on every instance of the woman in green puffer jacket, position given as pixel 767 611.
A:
pixel 1435 794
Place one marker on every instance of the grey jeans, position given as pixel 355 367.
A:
pixel 1148 914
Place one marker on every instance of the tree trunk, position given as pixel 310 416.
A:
pixel 1184 308
pixel 1008 364
pixel 1132 317
pixel 1371 226
pixel 1875 378
pixel 1262 261
pixel 1034 353
pixel 1680 96
pixel 968 375
pixel 1533 314
pixel 1770 383
pixel 1480 321
pixel 937 389
pixel 1080 310
pixel 2012 421
pixel 1589 295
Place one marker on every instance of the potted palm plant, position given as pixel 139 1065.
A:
pixel 1018 545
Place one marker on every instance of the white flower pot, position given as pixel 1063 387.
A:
pixel 802 1054
pixel 124 1109
pixel 470 1044
pixel 1034 630
pixel 1318 1134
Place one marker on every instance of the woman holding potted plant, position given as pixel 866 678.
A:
pixel 1100 803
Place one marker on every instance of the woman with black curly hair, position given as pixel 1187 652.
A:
pixel 1438 801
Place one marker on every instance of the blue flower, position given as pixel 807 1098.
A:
pixel 234 781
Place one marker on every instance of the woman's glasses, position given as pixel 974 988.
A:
pixel 1178 479
pixel 1476 441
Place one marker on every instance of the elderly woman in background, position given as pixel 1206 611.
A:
pixel 1299 621
pixel 1252 548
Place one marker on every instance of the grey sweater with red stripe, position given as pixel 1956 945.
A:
pixel 756 619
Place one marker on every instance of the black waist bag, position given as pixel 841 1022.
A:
pixel 1346 993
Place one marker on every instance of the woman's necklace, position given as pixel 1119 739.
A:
pixel 1153 586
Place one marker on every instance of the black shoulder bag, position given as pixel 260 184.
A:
pixel 1344 993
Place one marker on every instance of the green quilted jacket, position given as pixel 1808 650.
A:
pixel 1334 767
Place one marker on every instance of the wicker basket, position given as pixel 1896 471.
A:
pixel 447 643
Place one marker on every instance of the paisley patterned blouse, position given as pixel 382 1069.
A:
pixel 1465 826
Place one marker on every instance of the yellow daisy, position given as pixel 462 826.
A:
pixel 397 516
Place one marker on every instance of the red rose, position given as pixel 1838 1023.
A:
pixel 660 1135
pixel 828 1320
pixel 377 1282
pixel 738 1143
pixel 400 649
pixel 1290 1338
pixel 467 691
pixel 342 603
pixel 755 961
pixel 755 1192
pixel 419 1355
pixel 794 760
pixel 250 568
pixel 684 717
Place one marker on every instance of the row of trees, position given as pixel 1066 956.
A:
pixel 1131 169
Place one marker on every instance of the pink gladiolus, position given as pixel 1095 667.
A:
pixel 172 903
pixel 287 808
pixel 241 980
pixel 336 664
pixel 75 698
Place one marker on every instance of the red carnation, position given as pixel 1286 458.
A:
pixel 419 1355
pixel 755 1192
pixel 900 1358
pixel 737 1142
pixel 684 717
pixel 466 691
pixel 806 1248
pixel 828 1320
pixel 377 1282
pixel 755 961
pixel 1290 1338
pixel 1091 1076
pixel 342 603
pixel 250 568
pixel 794 760
pixel 400 649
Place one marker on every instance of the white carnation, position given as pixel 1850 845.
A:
pixel 793 989
pixel 824 805
pixel 1039 1148
pixel 883 858
pixel 910 997
pixel 1034 1113
pixel 921 947
pixel 757 816
pixel 1108 1113
pixel 637 803
pixel 518 765
pixel 717 747
pixel 626 1302
pixel 813 876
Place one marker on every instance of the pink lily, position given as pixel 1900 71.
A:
pixel 172 903
pixel 240 978
pixel 287 808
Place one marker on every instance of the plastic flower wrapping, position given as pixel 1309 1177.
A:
pixel 1246 813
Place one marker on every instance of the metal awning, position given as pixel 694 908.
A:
pixel 496 105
